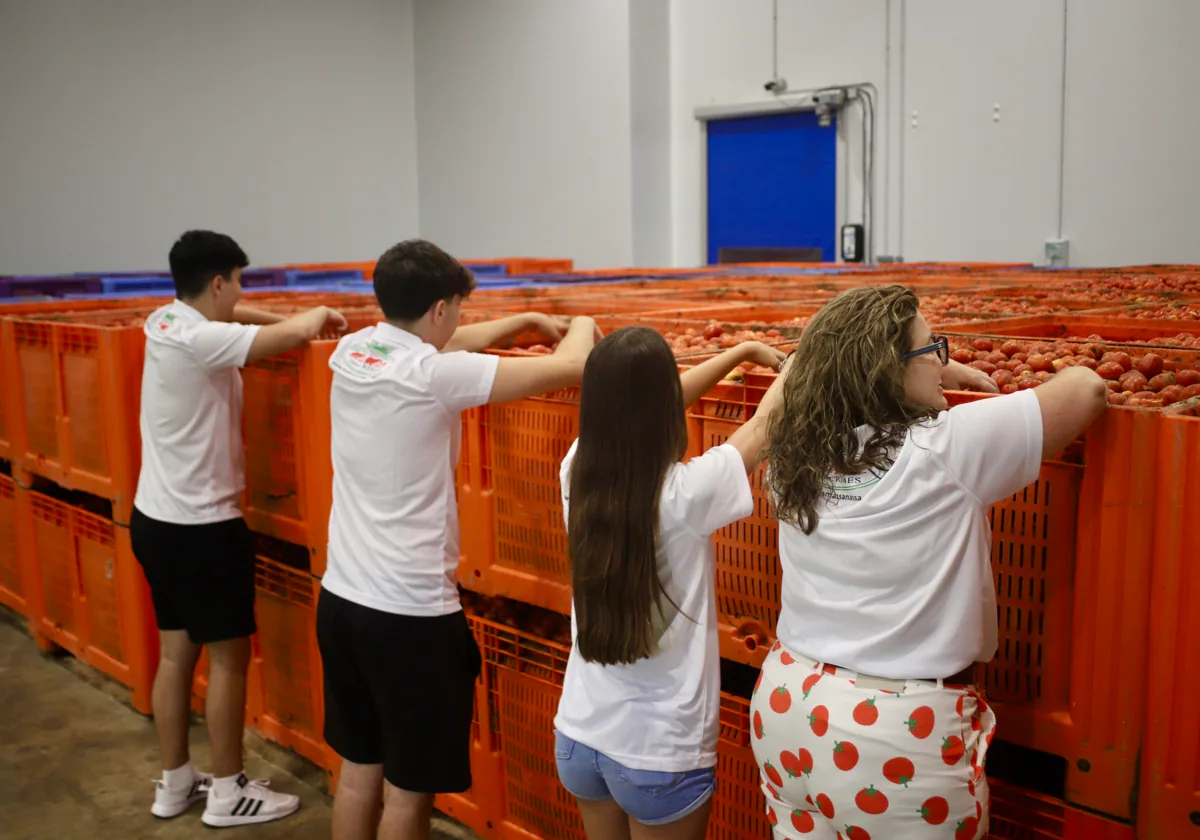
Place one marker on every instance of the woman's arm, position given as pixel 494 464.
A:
pixel 699 380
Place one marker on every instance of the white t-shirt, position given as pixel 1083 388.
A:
pixel 193 466
pixel 396 428
pixel 662 712
pixel 896 580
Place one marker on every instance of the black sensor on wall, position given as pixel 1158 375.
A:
pixel 852 243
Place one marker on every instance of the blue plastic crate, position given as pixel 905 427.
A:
pixel 487 269
pixel 147 285
pixel 52 286
pixel 161 295
pixel 302 278
pixel 256 278
pixel 501 282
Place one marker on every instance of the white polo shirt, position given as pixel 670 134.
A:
pixel 896 580
pixel 662 712
pixel 193 467
pixel 396 429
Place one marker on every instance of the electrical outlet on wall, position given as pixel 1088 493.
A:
pixel 1057 251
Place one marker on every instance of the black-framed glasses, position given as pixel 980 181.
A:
pixel 941 346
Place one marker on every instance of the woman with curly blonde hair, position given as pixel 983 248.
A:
pixel 866 719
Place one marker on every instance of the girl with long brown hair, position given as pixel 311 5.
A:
pixel 866 720
pixel 636 730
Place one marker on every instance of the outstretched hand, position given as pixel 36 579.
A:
pixel 960 377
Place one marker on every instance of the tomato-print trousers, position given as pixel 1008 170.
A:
pixel 854 757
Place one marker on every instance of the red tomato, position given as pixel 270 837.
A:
pixel 1187 378
pixel 1150 365
pixel 1110 370
pixel 1171 394
pixel 1121 359
pixel 1133 381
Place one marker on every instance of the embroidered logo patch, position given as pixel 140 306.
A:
pixel 368 358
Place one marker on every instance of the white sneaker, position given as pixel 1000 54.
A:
pixel 171 803
pixel 253 802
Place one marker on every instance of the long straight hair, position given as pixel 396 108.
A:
pixel 632 430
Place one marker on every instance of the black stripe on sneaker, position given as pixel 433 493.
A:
pixel 257 806
pixel 237 809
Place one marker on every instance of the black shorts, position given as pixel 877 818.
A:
pixel 399 691
pixel 201 576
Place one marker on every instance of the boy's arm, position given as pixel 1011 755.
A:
pixel 517 378
pixel 243 314
pixel 290 333
pixel 475 338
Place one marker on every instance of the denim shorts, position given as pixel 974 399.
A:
pixel 651 797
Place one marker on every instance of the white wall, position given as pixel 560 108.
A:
pixel 977 187
pixel 1132 173
pixel 721 54
pixel 523 125
pixel 961 185
pixel 650 130
pixel 288 124
pixel 316 131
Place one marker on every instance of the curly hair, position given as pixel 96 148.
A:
pixel 848 371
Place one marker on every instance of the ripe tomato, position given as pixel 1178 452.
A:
pixel 1119 358
pixel 1110 370
pixel 1133 381
pixel 1187 377
pixel 1150 365
pixel 1171 394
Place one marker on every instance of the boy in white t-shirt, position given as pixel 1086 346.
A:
pixel 399 661
pixel 187 528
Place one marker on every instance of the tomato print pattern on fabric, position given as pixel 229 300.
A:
pixel 844 762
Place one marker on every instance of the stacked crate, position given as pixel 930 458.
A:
pixel 1094 567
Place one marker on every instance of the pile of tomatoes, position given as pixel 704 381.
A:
pixel 691 341
pixel 1146 380
pixel 1124 289
pixel 934 304
pixel 1165 312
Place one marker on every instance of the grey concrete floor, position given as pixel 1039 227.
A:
pixel 77 763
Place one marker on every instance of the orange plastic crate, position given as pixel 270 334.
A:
pixel 93 599
pixel 526 441
pixel 536 265
pixel 1072 589
pixel 1169 802
pixel 292 705
pixel 738 810
pixel 289 472
pixel 1018 814
pixel 9 395
pixel 1111 329
pixel 79 385
pixel 748 574
pixel 288 469
pixel 15 583
pixel 524 674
